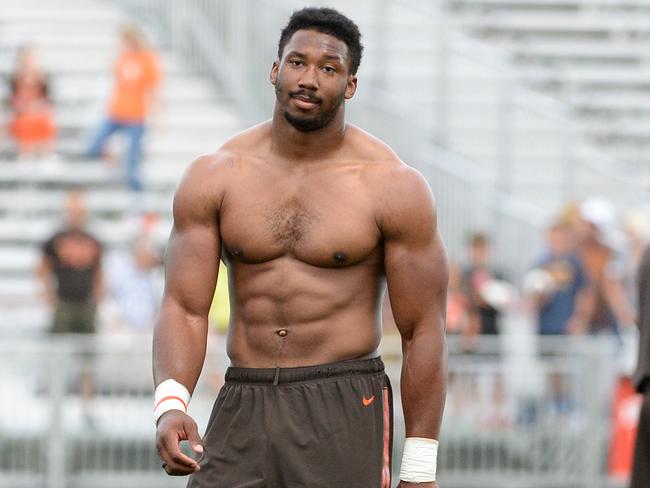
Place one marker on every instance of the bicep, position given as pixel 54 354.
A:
pixel 415 259
pixel 194 248
pixel 416 277
pixel 191 267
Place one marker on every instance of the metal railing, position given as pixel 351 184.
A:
pixel 524 413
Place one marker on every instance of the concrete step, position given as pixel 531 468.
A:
pixel 160 175
pixel 211 118
pixel 34 232
pixel 97 86
pixel 155 148
pixel 105 202
pixel 524 23
pixel 81 60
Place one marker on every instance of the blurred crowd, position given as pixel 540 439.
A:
pixel 82 280
pixel 85 284
pixel 32 122
pixel 582 283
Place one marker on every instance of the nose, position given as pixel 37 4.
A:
pixel 309 79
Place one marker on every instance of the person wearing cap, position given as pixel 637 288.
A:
pixel 607 304
pixel 558 284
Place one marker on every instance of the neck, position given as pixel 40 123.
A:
pixel 290 143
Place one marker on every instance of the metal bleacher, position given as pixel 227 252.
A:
pixel 590 54
pixel 77 41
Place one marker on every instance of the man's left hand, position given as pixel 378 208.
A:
pixel 406 484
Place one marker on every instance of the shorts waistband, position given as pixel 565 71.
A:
pixel 303 373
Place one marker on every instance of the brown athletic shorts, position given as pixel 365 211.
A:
pixel 326 426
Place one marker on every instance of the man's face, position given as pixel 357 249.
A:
pixel 312 79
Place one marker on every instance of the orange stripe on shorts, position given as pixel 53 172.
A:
pixel 385 472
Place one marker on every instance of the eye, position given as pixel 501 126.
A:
pixel 295 62
pixel 329 69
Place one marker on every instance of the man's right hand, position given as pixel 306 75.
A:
pixel 173 427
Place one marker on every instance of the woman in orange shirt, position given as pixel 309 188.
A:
pixel 136 76
pixel 32 122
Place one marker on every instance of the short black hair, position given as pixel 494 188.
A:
pixel 328 21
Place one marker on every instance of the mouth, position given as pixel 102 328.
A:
pixel 305 102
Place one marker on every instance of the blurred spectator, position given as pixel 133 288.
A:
pixel 607 303
pixel 134 95
pixel 71 274
pixel 32 122
pixel 71 271
pixel 133 284
pixel 478 279
pixel 558 284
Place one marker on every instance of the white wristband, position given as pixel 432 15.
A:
pixel 170 395
pixel 419 460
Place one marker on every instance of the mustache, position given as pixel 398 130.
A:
pixel 305 94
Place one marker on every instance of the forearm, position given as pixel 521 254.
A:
pixel 424 381
pixel 179 345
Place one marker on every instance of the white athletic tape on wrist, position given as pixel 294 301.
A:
pixel 419 460
pixel 170 395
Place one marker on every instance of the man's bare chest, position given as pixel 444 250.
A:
pixel 322 222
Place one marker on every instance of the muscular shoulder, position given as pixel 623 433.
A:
pixel 208 178
pixel 203 187
pixel 384 168
pixel 250 143
pixel 402 195
pixel 368 148
pixel 405 203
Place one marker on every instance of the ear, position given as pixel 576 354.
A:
pixel 351 87
pixel 273 76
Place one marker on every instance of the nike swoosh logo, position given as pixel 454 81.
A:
pixel 368 401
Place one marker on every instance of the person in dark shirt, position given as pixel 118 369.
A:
pixel 483 317
pixel 560 303
pixel 71 271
